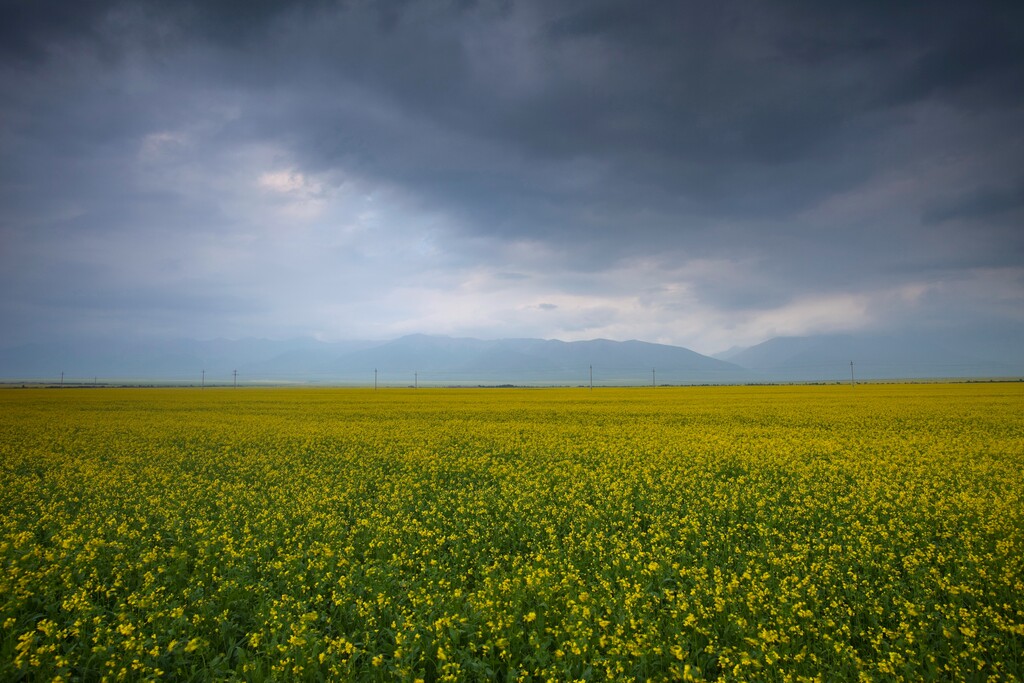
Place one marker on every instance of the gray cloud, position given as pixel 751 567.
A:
pixel 753 156
pixel 986 202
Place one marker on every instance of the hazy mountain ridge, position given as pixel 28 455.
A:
pixel 407 360
pixel 441 360
pixel 460 359
pixel 874 356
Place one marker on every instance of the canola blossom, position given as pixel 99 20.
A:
pixel 796 533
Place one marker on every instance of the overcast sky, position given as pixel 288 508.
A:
pixel 702 174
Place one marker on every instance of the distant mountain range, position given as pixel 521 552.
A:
pixel 414 359
pixel 875 356
pixel 441 361
pixel 538 361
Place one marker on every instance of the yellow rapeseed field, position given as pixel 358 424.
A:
pixel 731 533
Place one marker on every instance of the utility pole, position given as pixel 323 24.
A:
pixel 653 383
pixel 375 379
pixel 851 374
pixel 61 379
pixel 202 381
pixel 235 373
pixel 416 380
pixel 591 377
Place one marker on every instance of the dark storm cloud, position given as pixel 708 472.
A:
pixel 29 27
pixel 985 202
pixel 822 146
pixel 738 109
pixel 686 114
